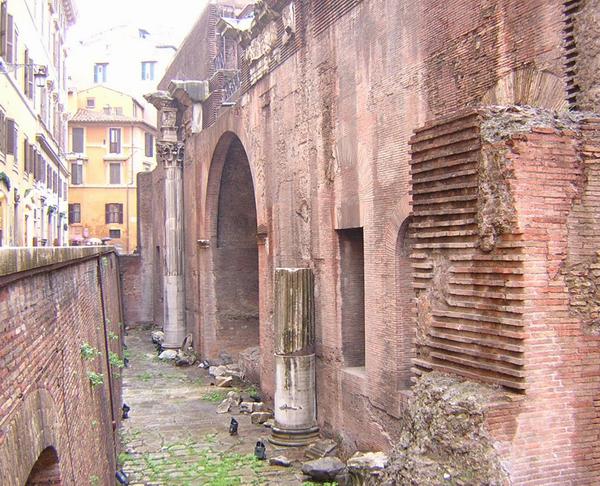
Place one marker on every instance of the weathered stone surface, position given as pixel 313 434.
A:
pixel 249 361
pixel 280 461
pixel 234 396
pixel 168 355
pixel 246 407
pixel 324 468
pixel 158 337
pixel 217 371
pixel 224 382
pixel 225 405
pixel 321 448
pixel 444 438
pixel 366 468
pixel 260 417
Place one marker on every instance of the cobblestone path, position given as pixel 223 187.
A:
pixel 174 435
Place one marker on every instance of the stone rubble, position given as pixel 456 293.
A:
pixel 280 461
pixel 324 468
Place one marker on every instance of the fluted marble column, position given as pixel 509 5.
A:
pixel 170 153
pixel 295 397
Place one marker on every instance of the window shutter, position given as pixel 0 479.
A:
pixel 107 213
pixel 77 142
pixel 120 207
pixel 10 32
pixel 3 29
pixel 25 155
pixel 149 145
pixel 10 136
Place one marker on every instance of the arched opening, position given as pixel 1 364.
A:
pixel 46 470
pixel 234 252
pixel 404 305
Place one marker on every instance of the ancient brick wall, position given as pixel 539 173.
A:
pixel 326 131
pixel 52 302
pixel 504 261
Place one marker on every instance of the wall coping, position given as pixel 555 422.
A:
pixel 22 259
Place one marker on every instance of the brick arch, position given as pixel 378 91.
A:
pixel 231 319
pixel 46 470
pixel 31 430
pixel 399 285
pixel 528 86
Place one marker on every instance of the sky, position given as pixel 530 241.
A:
pixel 173 16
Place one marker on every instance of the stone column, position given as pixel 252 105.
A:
pixel 295 398
pixel 170 152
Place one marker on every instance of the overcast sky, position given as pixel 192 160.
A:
pixel 174 16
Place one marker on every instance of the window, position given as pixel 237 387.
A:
pixel 3 28
pixel 100 70
pixel 12 137
pixel 76 173
pixel 114 213
pixel 114 136
pixel 91 103
pixel 114 233
pixel 54 182
pixel 2 132
pixel 10 41
pixel 77 141
pixel 115 173
pixel 149 145
pixel 352 287
pixel 74 213
pixel 28 76
pixel 148 70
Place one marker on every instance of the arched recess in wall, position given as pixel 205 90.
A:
pixel 46 470
pixel 528 86
pixel 231 211
pixel 32 430
pixel 404 305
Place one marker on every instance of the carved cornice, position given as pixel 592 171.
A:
pixel 170 154
pixel 160 100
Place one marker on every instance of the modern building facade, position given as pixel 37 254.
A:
pixel 435 165
pixel 110 142
pixel 33 101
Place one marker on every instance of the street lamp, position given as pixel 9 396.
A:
pixel 40 71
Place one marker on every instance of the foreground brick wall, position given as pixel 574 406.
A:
pixel 51 302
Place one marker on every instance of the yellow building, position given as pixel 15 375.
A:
pixel 111 140
pixel 33 168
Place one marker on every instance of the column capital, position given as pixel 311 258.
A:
pixel 160 100
pixel 170 154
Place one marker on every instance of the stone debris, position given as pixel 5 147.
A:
pixel 183 359
pixel 249 407
pixel 250 364
pixel 269 423
pixel 280 461
pixel 225 358
pixel 216 371
pixel 168 355
pixel 324 468
pixel 235 397
pixel 224 382
pixel 260 417
pixel 158 337
pixel 225 405
pixel 321 448
pixel 367 467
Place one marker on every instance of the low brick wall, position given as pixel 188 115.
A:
pixel 54 424
pixel 137 300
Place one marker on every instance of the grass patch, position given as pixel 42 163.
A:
pixel 145 376
pixel 216 396
pixel 200 465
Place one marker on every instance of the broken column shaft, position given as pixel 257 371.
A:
pixel 295 397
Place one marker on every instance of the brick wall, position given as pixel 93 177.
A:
pixel 326 131
pixel 52 301
pixel 508 296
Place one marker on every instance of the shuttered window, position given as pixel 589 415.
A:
pixel 149 145
pixel 3 36
pixel 114 213
pixel 10 136
pixel 77 141
pixel 115 140
pixel 74 213
pixel 76 174
pixel 115 173
pixel 10 42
